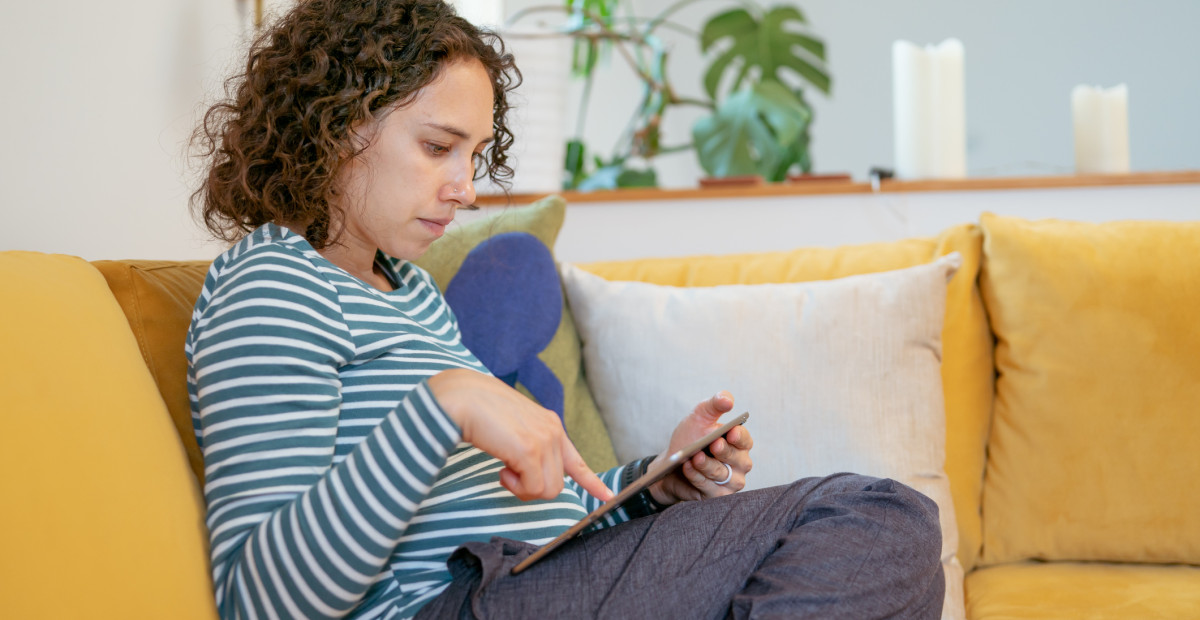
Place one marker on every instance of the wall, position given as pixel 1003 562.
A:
pixel 99 97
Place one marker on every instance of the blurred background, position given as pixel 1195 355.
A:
pixel 98 98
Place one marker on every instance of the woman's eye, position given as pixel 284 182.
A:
pixel 437 149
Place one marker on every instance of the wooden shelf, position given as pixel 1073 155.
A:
pixel 1044 182
pixel 806 188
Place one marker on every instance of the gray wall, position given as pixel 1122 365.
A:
pixel 1022 59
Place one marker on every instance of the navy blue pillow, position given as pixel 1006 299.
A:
pixel 508 301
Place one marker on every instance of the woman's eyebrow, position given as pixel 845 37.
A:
pixel 455 131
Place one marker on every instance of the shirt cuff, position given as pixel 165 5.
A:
pixel 643 504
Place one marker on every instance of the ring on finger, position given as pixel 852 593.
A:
pixel 728 477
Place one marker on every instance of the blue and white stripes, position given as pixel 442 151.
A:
pixel 335 483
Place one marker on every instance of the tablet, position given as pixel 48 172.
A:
pixel 658 470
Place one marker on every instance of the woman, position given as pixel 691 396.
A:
pixel 360 461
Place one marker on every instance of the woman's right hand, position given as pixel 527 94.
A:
pixel 527 438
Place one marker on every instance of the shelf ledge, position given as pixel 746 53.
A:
pixel 808 188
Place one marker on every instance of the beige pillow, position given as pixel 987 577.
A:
pixel 841 375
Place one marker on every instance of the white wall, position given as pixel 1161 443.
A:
pixel 98 98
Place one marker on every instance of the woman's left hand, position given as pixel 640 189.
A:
pixel 698 477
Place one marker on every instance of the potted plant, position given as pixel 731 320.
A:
pixel 758 118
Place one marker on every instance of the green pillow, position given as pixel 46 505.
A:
pixel 499 275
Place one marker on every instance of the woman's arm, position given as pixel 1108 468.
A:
pixel 528 438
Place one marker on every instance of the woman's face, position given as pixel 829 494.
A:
pixel 402 191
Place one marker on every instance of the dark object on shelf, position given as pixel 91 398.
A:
pixel 877 174
pixel 881 173
pixel 828 177
pixel 734 181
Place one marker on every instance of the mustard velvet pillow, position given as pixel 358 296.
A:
pixel 1095 448
pixel 967 372
pixel 499 276
pixel 157 298
pixel 102 517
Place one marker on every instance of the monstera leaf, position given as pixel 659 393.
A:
pixel 764 44
pixel 755 131
pixel 797 151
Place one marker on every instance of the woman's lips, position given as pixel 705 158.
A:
pixel 437 227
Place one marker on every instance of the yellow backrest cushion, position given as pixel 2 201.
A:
pixel 157 298
pixel 967 371
pixel 1095 443
pixel 102 518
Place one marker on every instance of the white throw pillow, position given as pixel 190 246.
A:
pixel 838 375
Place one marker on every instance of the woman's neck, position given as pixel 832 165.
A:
pixel 356 259
pixel 358 262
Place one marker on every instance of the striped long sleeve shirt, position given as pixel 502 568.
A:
pixel 335 484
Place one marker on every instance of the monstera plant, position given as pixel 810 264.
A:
pixel 761 125
pixel 757 117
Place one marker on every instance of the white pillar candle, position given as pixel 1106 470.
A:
pixel 929 110
pixel 1101 119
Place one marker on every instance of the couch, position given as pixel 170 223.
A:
pixel 1070 377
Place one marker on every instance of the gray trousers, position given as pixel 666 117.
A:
pixel 845 546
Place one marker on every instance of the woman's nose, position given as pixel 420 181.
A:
pixel 461 192
pixel 467 192
pixel 461 188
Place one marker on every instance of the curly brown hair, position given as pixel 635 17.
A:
pixel 274 147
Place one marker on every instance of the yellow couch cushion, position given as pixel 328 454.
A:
pixel 102 518
pixel 966 343
pixel 1095 443
pixel 1059 590
pixel 157 298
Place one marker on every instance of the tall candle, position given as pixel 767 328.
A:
pixel 929 110
pixel 1101 119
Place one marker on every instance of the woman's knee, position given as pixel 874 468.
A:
pixel 923 512
pixel 850 485
pixel 890 501
pixel 911 513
